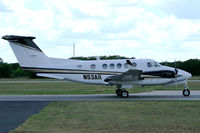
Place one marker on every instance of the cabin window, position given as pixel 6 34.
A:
pixel 112 65
pixel 149 64
pixel 125 65
pixel 134 64
pixel 119 65
pixel 79 66
pixel 92 66
pixel 105 66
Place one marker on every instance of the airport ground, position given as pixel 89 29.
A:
pixel 106 116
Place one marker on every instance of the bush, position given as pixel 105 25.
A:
pixel 5 70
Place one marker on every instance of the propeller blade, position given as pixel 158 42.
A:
pixel 175 73
pixel 176 70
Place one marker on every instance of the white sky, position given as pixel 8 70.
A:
pixel 157 29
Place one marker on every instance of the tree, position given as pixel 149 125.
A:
pixel 192 66
pixel 112 57
pixel 5 70
pixel 1 60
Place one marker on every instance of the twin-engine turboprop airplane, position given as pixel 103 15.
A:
pixel 124 73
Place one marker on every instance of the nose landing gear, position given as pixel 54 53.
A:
pixel 186 91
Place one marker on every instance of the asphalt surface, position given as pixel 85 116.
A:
pixel 13 114
pixel 154 95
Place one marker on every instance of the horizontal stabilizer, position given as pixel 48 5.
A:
pixel 26 41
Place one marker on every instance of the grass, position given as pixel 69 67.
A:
pixel 59 88
pixel 76 88
pixel 117 117
pixel 195 78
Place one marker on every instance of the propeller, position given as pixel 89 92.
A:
pixel 176 70
pixel 175 73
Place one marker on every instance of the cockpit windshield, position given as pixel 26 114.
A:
pixel 153 64
pixel 156 64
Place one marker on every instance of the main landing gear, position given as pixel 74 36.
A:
pixel 122 92
pixel 186 91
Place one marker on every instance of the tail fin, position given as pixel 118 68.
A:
pixel 26 51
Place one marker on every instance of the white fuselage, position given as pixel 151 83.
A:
pixel 32 58
pixel 95 72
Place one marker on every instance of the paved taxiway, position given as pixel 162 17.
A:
pixel 154 95
pixel 13 114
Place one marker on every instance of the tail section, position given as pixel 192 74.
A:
pixel 26 51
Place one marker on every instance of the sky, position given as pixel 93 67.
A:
pixel 163 30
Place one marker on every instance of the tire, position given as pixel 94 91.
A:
pixel 119 92
pixel 125 94
pixel 186 92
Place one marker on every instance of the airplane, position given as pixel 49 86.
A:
pixel 124 73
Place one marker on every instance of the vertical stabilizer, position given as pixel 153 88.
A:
pixel 26 51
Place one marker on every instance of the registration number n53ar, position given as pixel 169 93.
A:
pixel 91 77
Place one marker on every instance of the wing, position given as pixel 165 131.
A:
pixel 130 75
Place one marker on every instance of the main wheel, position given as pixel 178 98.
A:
pixel 125 94
pixel 186 92
pixel 119 92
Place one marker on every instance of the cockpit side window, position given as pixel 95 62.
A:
pixel 150 64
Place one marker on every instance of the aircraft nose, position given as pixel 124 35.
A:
pixel 188 75
pixel 185 75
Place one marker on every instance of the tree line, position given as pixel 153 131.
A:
pixel 192 66
pixel 112 57
pixel 13 70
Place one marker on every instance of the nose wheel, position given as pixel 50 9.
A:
pixel 186 91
